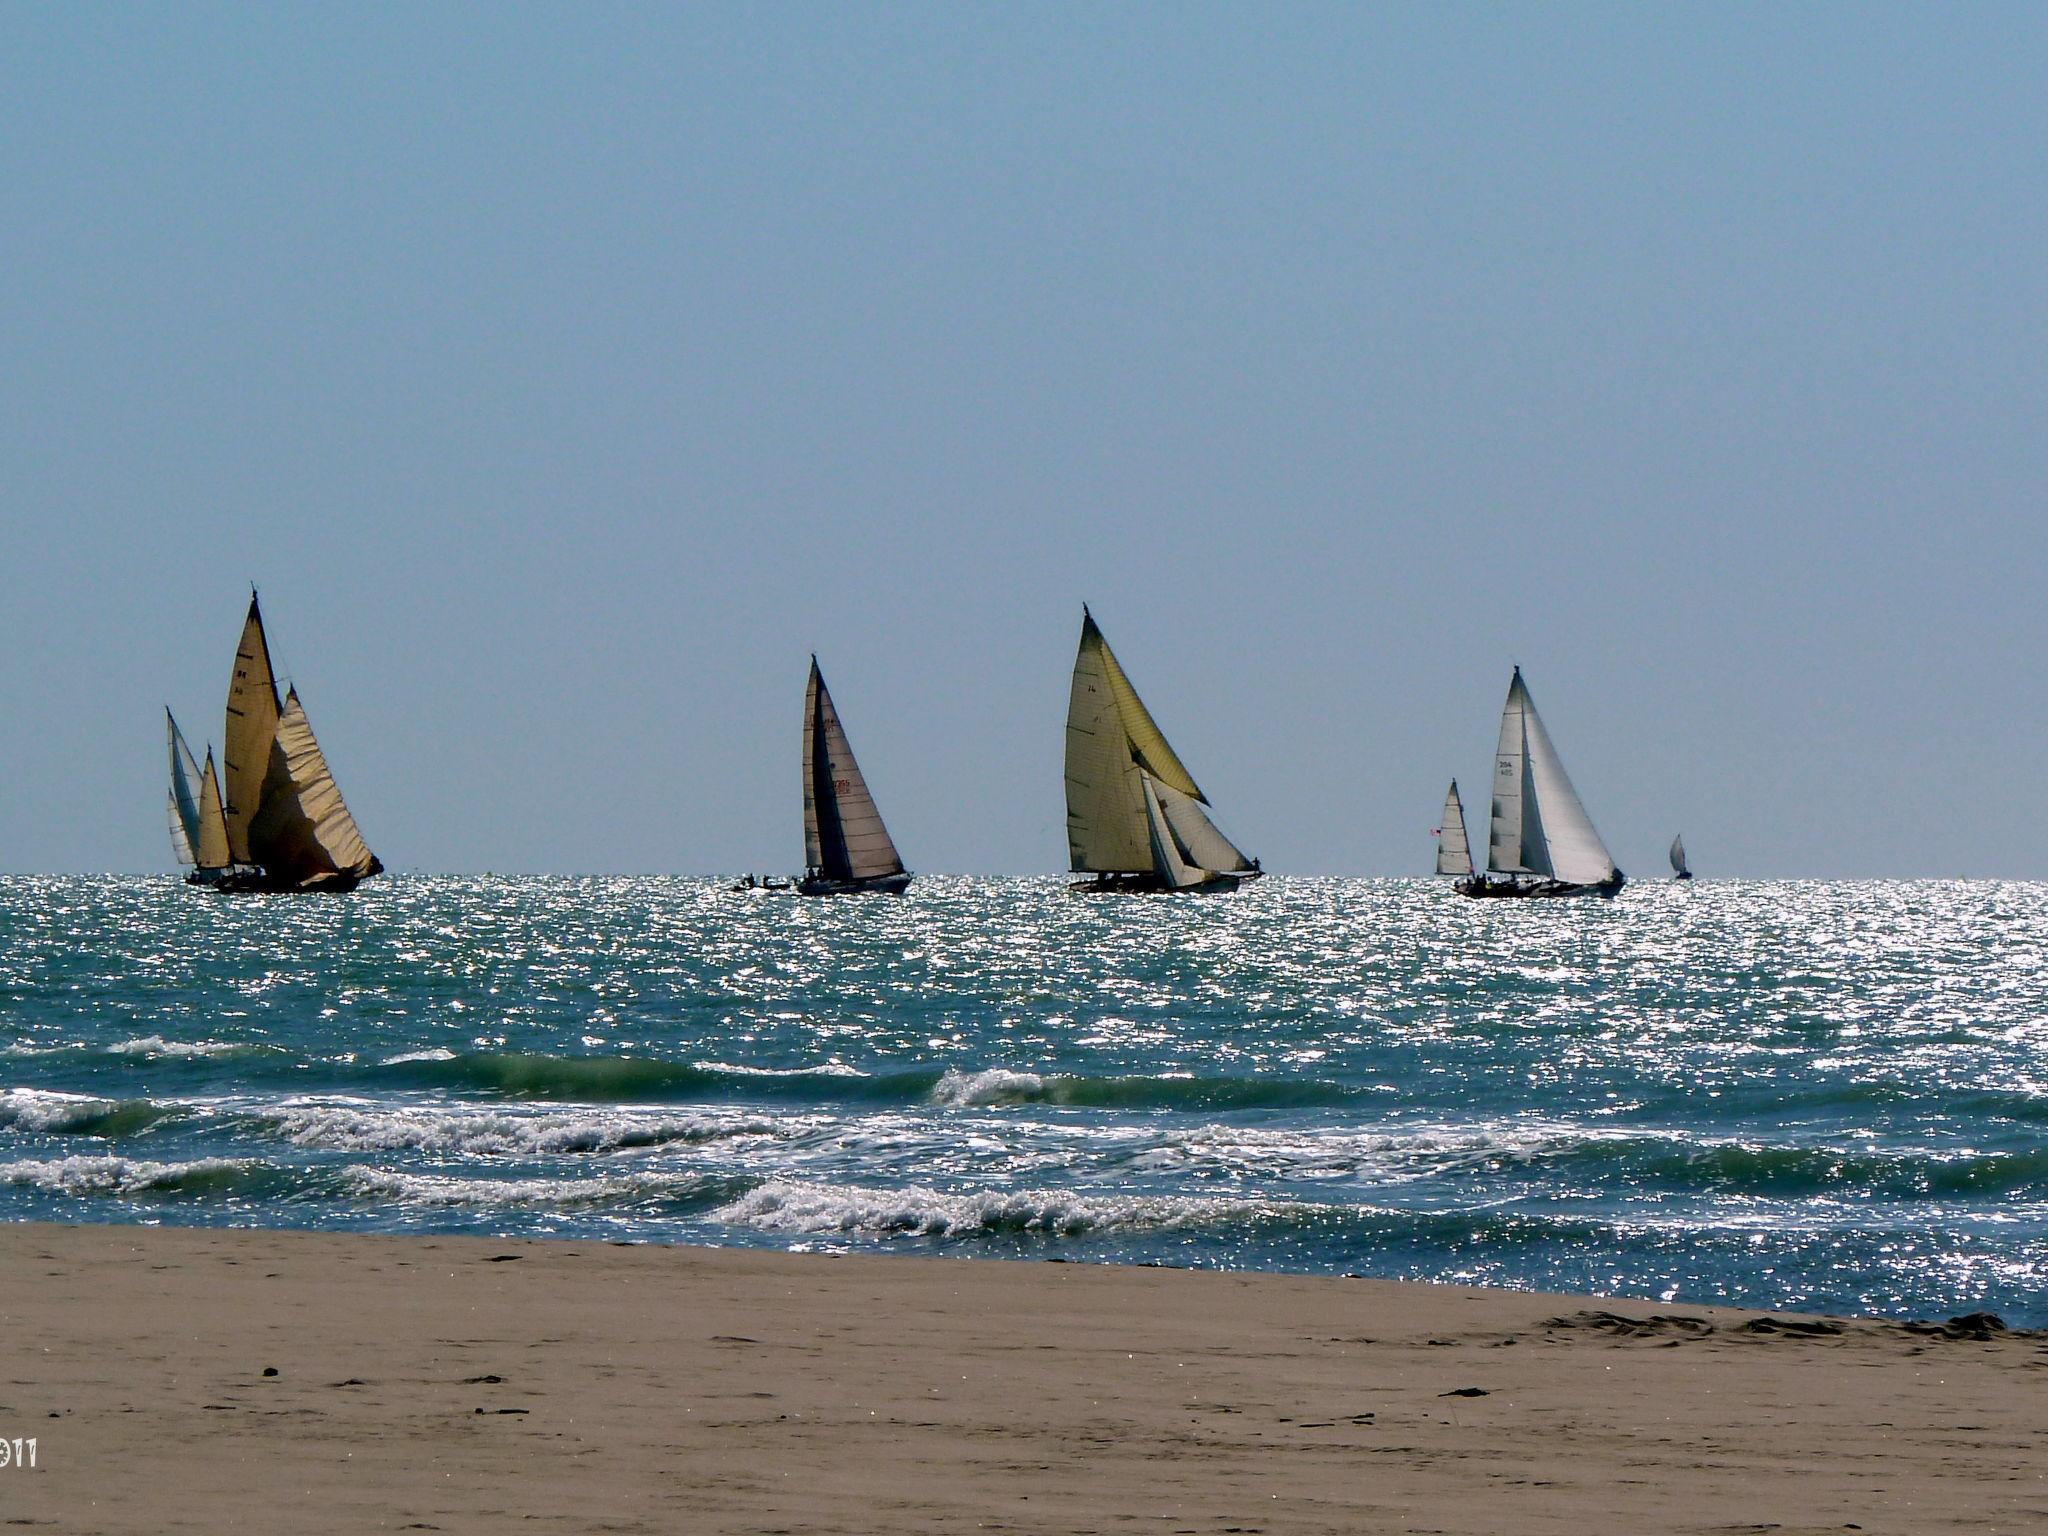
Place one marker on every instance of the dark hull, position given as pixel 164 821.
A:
pixel 1683 874
pixel 1481 886
pixel 1148 884
pixel 885 885
pixel 256 882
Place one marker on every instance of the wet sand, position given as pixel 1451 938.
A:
pixel 452 1384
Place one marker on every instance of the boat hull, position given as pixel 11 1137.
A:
pixel 881 885
pixel 1148 884
pixel 1483 887
pixel 257 882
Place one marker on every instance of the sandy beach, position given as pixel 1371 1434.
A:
pixel 193 1380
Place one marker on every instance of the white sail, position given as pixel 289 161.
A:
pixel 1540 827
pixel 1453 846
pixel 184 795
pixel 1113 746
pixel 1197 835
pixel 303 830
pixel 1678 856
pixel 844 838
pixel 1515 846
pixel 1576 853
pixel 1169 861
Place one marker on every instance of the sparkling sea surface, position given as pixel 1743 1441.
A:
pixel 1811 1095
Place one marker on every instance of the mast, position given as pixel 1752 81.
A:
pixel 253 714
pixel 1453 847
pixel 844 838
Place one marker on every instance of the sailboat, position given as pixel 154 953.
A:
pixel 1543 842
pixel 273 819
pixel 1136 821
pixel 1453 847
pixel 1678 869
pixel 199 831
pixel 846 847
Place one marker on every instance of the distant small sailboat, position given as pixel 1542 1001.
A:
pixel 281 824
pixel 199 833
pixel 1678 867
pixel 1543 842
pixel 1136 821
pixel 846 847
pixel 1453 846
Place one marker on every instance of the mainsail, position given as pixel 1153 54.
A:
pixel 1678 856
pixel 213 822
pixel 184 795
pixel 1453 847
pixel 844 838
pixel 253 714
pixel 1132 806
pixel 1539 826
pixel 302 833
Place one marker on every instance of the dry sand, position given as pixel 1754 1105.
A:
pixel 454 1384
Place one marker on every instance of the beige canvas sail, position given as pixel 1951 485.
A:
pixel 844 838
pixel 1111 740
pixel 252 726
pixel 303 830
pixel 213 825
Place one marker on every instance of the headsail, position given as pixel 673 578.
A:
pixel 1125 783
pixel 303 832
pixel 844 838
pixel 1576 853
pixel 1678 856
pixel 213 823
pixel 184 795
pixel 1453 847
pixel 253 714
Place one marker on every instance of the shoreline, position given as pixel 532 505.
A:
pixel 460 1383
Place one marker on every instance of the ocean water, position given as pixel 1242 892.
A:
pixel 1828 1096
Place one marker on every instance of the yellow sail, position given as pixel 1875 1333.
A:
pixel 252 726
pixel 213 826
pixel 1112 742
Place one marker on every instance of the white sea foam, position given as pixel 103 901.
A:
pixel 996 1085
pixel 437 1053
pixel 37 1109
pixel 157 1045
pixel 110 1175
pixel 1397 1154
pixel 459 1130
pixel 390 1184
pixel 785 1206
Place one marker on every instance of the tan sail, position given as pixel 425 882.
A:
pixel 252 727
pixel 303 833
pixel 1114 750
pixel 213 825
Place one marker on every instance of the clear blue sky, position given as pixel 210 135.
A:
pixel 566 375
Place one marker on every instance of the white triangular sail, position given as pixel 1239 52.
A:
pixel 1199 836
pixel 844 838
pixel 1169 859
pixel 303 831
pixel 1113 748
pixel 184 795
pixel 1678 856
pixel 1539 825
pixel 253 713
pixel 1453 846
